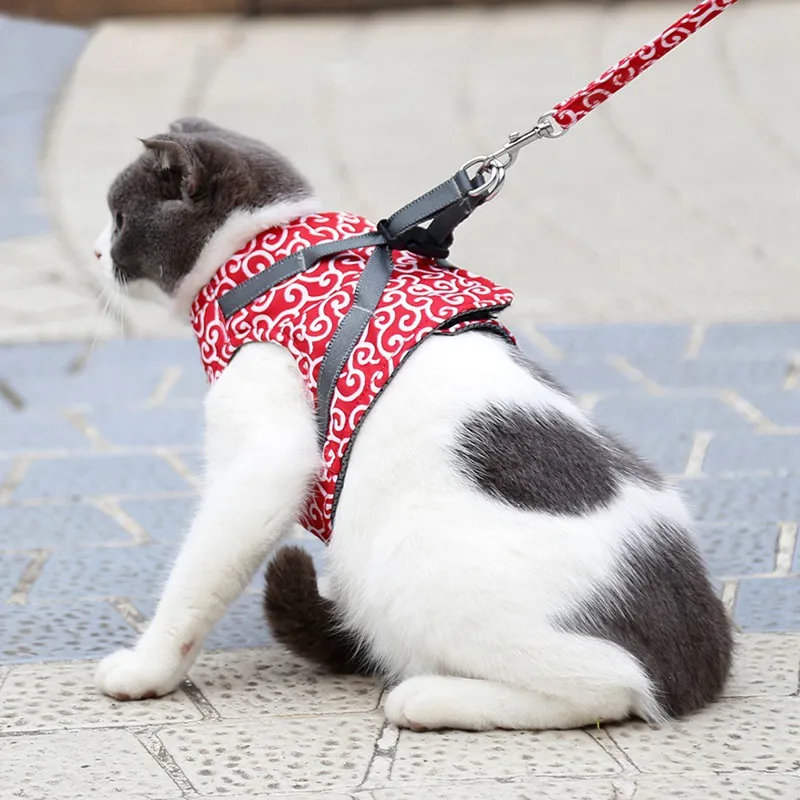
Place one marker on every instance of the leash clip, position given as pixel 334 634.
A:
pixel 492 168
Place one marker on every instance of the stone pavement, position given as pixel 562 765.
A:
pixel 654 256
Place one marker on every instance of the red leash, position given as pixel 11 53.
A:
pixel 566 114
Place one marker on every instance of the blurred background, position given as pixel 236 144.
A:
pixel 676 201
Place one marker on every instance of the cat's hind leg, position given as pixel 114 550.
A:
pixel 431 702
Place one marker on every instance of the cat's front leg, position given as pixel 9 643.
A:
pixel 262 455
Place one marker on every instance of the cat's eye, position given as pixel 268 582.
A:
pixel 118 220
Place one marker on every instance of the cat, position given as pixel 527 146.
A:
pixel 502 559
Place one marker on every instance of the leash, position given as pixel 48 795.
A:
pixel 567 114
pixel 446 206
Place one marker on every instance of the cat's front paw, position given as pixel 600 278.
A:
pixel 132 675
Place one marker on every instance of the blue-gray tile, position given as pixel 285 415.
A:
pixel 195 460
pixel 754 499
pixel 589 342
pixel 100 572
pixel 31 430
pixel 100 475
pixel 145 355
pixel 669 453
pixel 733 550
pixel 12 566
pixel 35 60
pixel 780 408
pixel 768 605
pixel 715 374
pixel 166 520
pixel 62 631
pixel 37 359
pixel 29 527
pixel 751 339
pixel 665 417
pixel 529 349
pixel 166 427
pixel 592 377
pixel 751 452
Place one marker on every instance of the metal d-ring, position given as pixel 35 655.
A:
pixel 494 172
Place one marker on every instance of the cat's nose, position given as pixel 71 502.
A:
pixel 97 254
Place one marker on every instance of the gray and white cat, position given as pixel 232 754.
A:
pixel 499 555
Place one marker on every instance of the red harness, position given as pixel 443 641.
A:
pixel 303 312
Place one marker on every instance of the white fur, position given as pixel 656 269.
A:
pixel 426 567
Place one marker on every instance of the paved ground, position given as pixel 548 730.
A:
pixel 654 255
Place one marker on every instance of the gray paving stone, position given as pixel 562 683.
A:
pixel 95 388
pixel 166 427
pixel 100 475
pixel 592 377
pixel 38 359
pixel 768 605
pixel 98 572
pixel 589 342
pixel 745 452
pixel 715 374
pixel 61 632
pixel 750 339
pixel 195 460
pixel 733 550
pixel 191 386
pixel 145 355
pixel 665 417
pixel 780 408
pixel 12 565
pixel 34 61
pixel 755 499
pixel 669 453
pixel 166 519
pixel 58 526
pixel 30 430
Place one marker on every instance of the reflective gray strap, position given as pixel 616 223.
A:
pixel 253 288
pixel 368 293
pixel 428 205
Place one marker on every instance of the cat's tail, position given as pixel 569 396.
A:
pixel 304 621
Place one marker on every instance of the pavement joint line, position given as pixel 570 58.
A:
pixel 624 367
pixel 14 478
pixel 787 541
pixel 730 590
pixel 606 742
pixel 746 409
pixel 148 738
pixel 78 364
pixel 111 508
pixel 128 611
pixel 588 400
pixel 82 425
pixel 792 380
pixel 113 450
pixel 697 337
pixel 200 701
pixel 380 765
pixel 543 343
pixel 11 395
pixel 700 444
pixel 177 463
pixel 19 595
pixel 168 380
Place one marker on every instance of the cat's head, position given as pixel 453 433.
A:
pixel 194 197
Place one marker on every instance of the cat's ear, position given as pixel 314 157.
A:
pixel 176 157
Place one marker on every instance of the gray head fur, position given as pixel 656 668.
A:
pixel 166 205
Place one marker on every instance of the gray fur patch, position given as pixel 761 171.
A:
pixel 545 463
pixel 661 608
pixel 168 203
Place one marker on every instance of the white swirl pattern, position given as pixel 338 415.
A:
pixel 303 312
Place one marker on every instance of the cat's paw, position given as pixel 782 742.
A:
pixel 413 704
pixel 132 675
